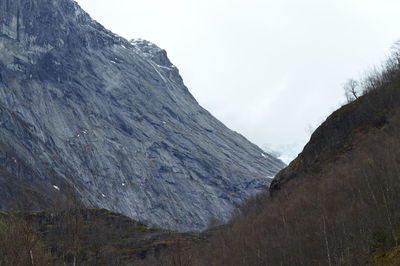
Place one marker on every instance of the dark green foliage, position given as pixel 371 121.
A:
pixel 381 239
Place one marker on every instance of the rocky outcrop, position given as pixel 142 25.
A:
pixel 86 111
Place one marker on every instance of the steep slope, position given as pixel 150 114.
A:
pixel 338 203
pixel 84 111
pixel 341 131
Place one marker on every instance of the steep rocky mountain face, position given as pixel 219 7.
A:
pixel 87 112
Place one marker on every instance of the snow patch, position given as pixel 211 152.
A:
pixel 263 155
pixel 56 187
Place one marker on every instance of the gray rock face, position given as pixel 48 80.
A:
pixel 84 110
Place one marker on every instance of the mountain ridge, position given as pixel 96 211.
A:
pixel 337 203
pixel 111 121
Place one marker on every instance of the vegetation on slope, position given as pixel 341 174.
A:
pixel 389 257
pixel 79 237
pixel 338 203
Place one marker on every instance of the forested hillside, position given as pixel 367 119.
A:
pixel 337 203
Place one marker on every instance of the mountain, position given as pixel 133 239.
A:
pixel 84 112
pixel 337 203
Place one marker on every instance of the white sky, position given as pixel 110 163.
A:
pixel 269 69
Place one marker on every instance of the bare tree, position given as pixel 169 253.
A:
pixel 352 90
pixel 20 244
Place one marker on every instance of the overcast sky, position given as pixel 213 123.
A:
pixel 270 69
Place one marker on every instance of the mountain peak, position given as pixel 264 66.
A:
pixel 152 51
pixel 52 23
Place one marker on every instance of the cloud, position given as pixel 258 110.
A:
pixel 267 69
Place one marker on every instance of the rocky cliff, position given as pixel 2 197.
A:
pixel 85 111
